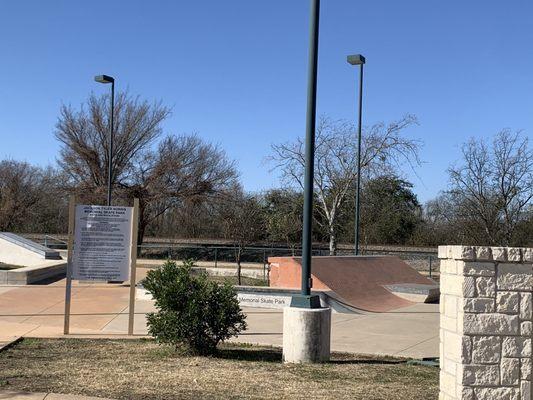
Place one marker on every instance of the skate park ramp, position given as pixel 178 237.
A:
pixel 365 283
pixel 16 250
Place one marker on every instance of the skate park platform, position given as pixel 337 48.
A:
pixel 24 262
pixel 361 284
pixel 29 247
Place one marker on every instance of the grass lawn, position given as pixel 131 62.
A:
pixel 140 369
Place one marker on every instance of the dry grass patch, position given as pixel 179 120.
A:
pixel 140 369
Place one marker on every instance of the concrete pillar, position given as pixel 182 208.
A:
pixel 485 323
pixel 306 335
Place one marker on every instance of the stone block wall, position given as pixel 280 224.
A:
pixel 485 323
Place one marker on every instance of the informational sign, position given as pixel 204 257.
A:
pixel 102 243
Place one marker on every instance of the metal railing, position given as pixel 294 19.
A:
pixel 422 261
pixel 217 255
pixel 54 242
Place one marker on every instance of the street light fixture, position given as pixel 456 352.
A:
pixel 358 59
pixel 108 79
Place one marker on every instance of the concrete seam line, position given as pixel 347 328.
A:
pixel 47 308
pixel 115 317
pixel 417 344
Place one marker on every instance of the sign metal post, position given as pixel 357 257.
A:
pixel 70 249
pixel 133 266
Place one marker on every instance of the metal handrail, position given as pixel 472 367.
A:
pixel 46 237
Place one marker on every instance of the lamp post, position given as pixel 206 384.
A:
pixel 306 325
pixel 305 300
pixel 358 59
pixel 108 79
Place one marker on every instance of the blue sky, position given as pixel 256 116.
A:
pixel 235 71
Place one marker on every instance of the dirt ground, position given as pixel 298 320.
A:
pixel 140 369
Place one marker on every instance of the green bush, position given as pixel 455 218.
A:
pixel 191 310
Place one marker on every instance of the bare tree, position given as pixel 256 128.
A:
pixel 384 148
pixel 493 186
pixel 29 199
pixel 243 223
pixel 20 187
pixel 179 169
pixel 84 137
pixel 182 169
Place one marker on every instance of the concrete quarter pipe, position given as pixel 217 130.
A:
pixel 366 283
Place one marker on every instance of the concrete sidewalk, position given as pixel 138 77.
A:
pixel 43 396
pixel 410 332
pixel 102 311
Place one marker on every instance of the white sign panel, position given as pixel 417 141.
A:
pixel 263 300
pixel 102 243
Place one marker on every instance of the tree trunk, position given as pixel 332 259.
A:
pixel 332 242
pixel 143 223
pixel 238 259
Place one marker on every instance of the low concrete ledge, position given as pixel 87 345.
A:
pixel 273 298
pixel 230 272
pixel 256 273
pixel 264 297
pixel 416 293
pixel 249 296
pixel 33 274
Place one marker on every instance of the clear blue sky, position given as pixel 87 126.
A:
pixel 235 71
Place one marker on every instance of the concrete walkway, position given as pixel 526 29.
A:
pixel 411 332
pixel 100 310
pixel 43 396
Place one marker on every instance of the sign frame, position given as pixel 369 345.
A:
pixel 132 267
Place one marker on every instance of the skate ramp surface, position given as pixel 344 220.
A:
pixel 366 283
pixel 29 247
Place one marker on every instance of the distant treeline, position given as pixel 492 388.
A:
pixel 190 189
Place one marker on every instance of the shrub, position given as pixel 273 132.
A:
pixel 191 310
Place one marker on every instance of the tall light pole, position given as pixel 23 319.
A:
pixel 358 59
pixel 306 325
pixel 305 300
pixel 111 80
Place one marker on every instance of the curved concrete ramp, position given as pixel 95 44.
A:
pixel 367 283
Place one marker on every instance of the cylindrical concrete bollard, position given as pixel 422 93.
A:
pixel 306 335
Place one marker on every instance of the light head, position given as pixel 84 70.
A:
pixel 104 79
pixel 356 59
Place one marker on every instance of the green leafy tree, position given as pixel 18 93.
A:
pixel 390 211
pixel 191 310
pixel 283 214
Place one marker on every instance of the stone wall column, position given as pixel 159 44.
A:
pixel 485 323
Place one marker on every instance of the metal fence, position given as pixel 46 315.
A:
pixel 225 255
